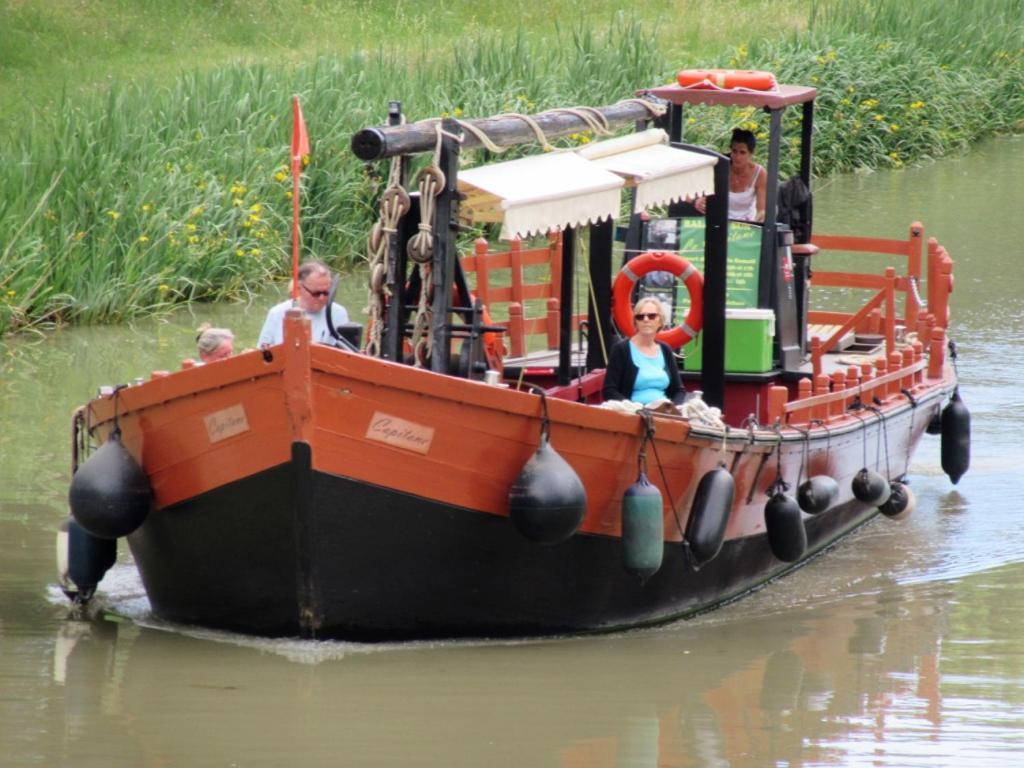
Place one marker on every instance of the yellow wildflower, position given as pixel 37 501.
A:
pixel 193 239
pixel 197 211
pixel 879 118
pixel 237 202
pixel 12 293
pixel 143 238
pixel 240 253
pixel 457 112
pixel 893 128
pixel 114 215
pixel 146 207
pixel 254 252
pixel 238 189
pixel 163 288
pixel 280 176
pixel 255 207
pixel 190 227
pixel 288 194
pixel 916 104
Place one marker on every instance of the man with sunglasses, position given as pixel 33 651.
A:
pixel 314 288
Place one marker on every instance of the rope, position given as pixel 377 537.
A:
pixel 394 204
pixel 885 436
pixel 780 485
pixel 649 437
pixel 600 325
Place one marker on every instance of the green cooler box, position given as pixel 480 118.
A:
pixel 749 334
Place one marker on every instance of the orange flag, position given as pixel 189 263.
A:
pixel 300 139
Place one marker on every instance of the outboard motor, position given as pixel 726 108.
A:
pixel 82 560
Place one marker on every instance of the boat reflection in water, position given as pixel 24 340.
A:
pixel 701 693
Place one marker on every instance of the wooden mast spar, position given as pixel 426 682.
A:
pixel 381 142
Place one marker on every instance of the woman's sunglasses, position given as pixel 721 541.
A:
pixel 316 294
pixel 651 316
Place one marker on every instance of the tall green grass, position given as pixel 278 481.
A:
pixel 150 195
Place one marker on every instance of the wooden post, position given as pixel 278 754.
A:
pixel 804 389
pixel 821 382
pixel 881 366
pixel 816 353
pixel 838 407
pixel 516 329
pixel 777 397
pixel 890 310
pixel 483 282
pixel 852 384
pixel 918 356
pixel 895 362
pixel 907 382
pixel 933 274
pixel 937 353
pixel 914 245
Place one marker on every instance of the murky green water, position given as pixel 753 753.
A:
pixel 903 646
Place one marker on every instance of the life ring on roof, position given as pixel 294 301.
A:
pixel 753 79
pixel 659 261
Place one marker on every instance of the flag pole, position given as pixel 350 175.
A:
pixel 300 147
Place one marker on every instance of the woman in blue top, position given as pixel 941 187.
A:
pixel 641 368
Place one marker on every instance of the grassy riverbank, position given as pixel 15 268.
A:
pixel 132 197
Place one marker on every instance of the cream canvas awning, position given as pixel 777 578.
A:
pixel 538 194
pixel 660 173
pixel 533 195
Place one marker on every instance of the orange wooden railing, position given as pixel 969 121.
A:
pixel 828 398
pixel 515 290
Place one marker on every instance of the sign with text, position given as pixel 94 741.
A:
pixel 743 259
pixel 400 433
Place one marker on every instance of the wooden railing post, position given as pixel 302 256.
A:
pixel 937 353
pixel 821 382
pixel 482 270
pixel 804 389
pixel 777 397
pixel 914 246
pixel 816 353
pixel 838 407
pixel 890 310
pixel 933 273
pixel 918 356
pixel 516 329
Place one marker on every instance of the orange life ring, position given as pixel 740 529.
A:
pixel 659 261
pixel 755 80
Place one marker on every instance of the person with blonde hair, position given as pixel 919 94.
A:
pixel 214 344
pixel 641 368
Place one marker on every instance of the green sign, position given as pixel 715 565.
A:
pixel 743 259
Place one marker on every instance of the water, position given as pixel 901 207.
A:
pixel 901 647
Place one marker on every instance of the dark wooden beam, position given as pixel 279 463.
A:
pixel 379 142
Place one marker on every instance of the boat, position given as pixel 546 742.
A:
pixel 456 473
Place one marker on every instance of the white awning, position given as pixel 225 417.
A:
pixel 660 173
pixel 537 194
pixel 542 193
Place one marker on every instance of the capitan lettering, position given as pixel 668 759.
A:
pixel 400 433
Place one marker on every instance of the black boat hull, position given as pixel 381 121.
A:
pixel 294 551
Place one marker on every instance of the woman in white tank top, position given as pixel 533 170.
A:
pixel 747 180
